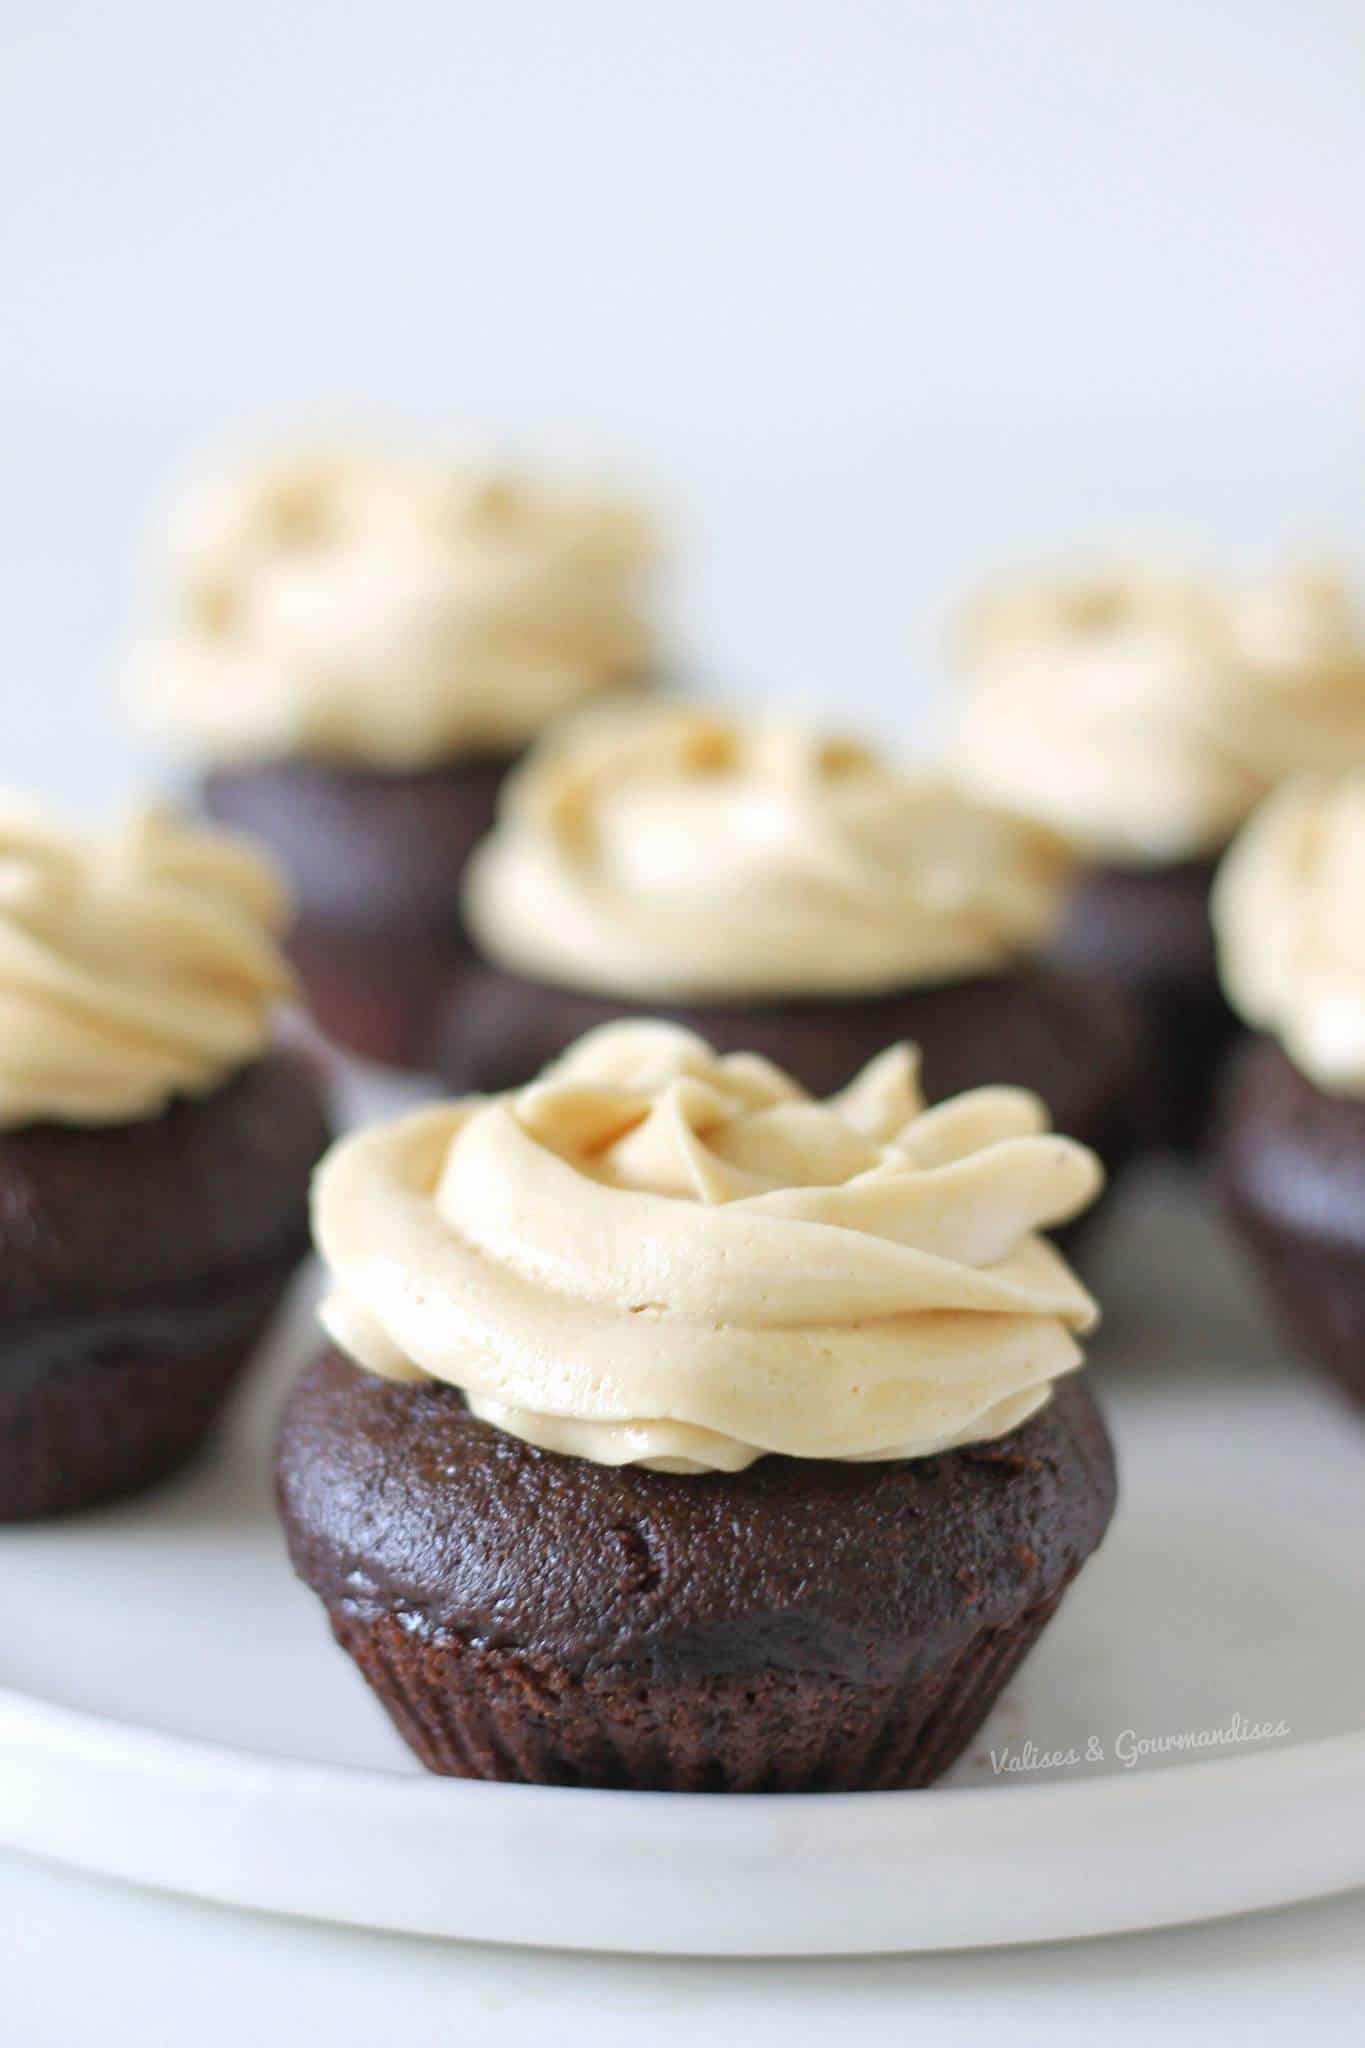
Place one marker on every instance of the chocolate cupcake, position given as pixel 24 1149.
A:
pixel 780 892
pixel 1289 906
pixel 1144 715
pixel 359 646
pixel 154 1150
pixel 685 1433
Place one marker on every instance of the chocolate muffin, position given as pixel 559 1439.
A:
pixel 771 1630
pixel 1290 908
pixel 155 1152
pixel 1144 714
pixel 780 892
pixel 1291 1168
pixel 359 645
pixel 685 1433
pixel 375 860
pixel 1143 937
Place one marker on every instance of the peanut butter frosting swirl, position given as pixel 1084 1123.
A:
pixel 134 967
pixel 1301 638
pixel 1289 911
pixel 1145 714
pixel 657 852
pixel 390 611
pixel 656 1255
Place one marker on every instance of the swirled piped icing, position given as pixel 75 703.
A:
pixel 656 1255
pixel 1289 912
pixel 1146 714
pixel 134 966
pixel 659 852
pixel 387 610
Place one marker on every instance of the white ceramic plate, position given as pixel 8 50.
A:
pixel 174 1711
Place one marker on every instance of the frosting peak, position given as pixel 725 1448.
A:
pixel 1146 714
pixel 133 967
pixel 1289 911
pixel 657 1255
pixel 388 610
pixel 669 852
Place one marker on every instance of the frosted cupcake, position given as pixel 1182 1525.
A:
pixel 686 1433
pixel 355 646
pixel 1289 907
pixel 155 1149
pixel 779 891
pixel 1144 716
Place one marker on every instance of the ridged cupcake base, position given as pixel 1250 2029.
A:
pixel 469 1713
pixel 94 1428
pixel 799 1626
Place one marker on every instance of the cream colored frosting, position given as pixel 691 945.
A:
pixel 134 967
pixel 1301 636
pixel 1289 911
pixel 1146 714
pixel 658 1256
pixel 659 852
pixel 387 610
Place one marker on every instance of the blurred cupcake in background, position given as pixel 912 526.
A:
pixel 780 891
pixel 155 1146
pixel 354 646
pixel 1289 908
pixel 1144 714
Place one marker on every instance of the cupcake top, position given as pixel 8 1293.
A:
pixel 386 610
pixel 655 1255
pixel 1289 912
pixel 655 852
pixel 134 966
pixel 1146 714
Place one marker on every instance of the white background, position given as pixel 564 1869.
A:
pixel 876 293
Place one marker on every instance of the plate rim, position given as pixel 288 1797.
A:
pixel 18 1705
pixel 81 1764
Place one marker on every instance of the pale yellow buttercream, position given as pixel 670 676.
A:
pixel 659 852
pixel 134 966
pixel 388 610
pixel 1289 911
pixel 1301 636
pixel 1145 714
pixel 656 1255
